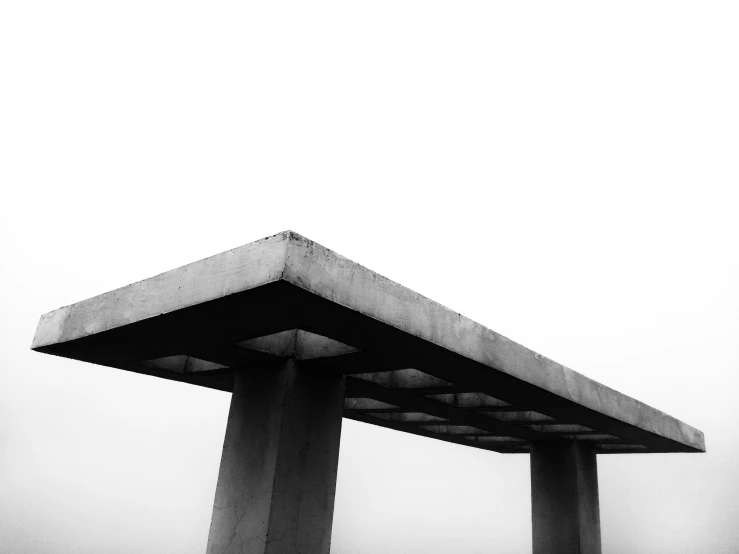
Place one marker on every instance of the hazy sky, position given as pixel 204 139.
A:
pixel 563 172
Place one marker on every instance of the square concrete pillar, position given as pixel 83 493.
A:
pixel 564 498
pixel 275 492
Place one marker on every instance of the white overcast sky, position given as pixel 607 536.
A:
pixel 563 172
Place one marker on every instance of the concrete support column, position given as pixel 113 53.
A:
pixel 564 498
pixel 275 492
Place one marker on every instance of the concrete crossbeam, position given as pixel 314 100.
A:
pixel 526 416
pixel 409 417
pixel 470 400
pixel 408 378
pixel 369 405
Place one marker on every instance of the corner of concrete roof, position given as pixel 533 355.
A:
pixel 271 260
pixel 300 248
pixel 292 235
pixel 289 236
pixel 304 245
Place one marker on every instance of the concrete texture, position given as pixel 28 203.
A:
pixel 564 498
pixel 302 336
pixel 236 310
pixel 275 492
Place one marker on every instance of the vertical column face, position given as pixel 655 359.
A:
pixel 275 492
pixel 564 498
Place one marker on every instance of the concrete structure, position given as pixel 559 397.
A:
pixel 300 334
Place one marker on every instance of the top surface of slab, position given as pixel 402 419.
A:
pixel 411 364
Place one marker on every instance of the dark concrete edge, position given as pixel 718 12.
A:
pixel 51 325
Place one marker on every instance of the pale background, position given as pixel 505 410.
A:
pixel 562 172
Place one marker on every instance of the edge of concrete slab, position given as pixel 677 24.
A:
pixel 239 269
pixel 321 271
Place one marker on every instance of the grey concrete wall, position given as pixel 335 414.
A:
pixel 275 492
pixel 564 498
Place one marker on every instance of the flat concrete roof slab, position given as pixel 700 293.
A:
pixel 411 364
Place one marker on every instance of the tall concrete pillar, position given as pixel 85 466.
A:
pixel 564 498
pixel 275 492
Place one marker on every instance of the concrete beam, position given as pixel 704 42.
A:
pixel 564 498
pixel 526 416
pixel 407 378
pixel 472 400
pixel 411 418
pixel 275 492
pixel 369 405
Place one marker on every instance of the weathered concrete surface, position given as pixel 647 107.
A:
pixel 329 275
pixel 224 274
pixel 200 322
pixel 275 492
pixel 564 498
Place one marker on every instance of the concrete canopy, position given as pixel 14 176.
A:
pixel 410 363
